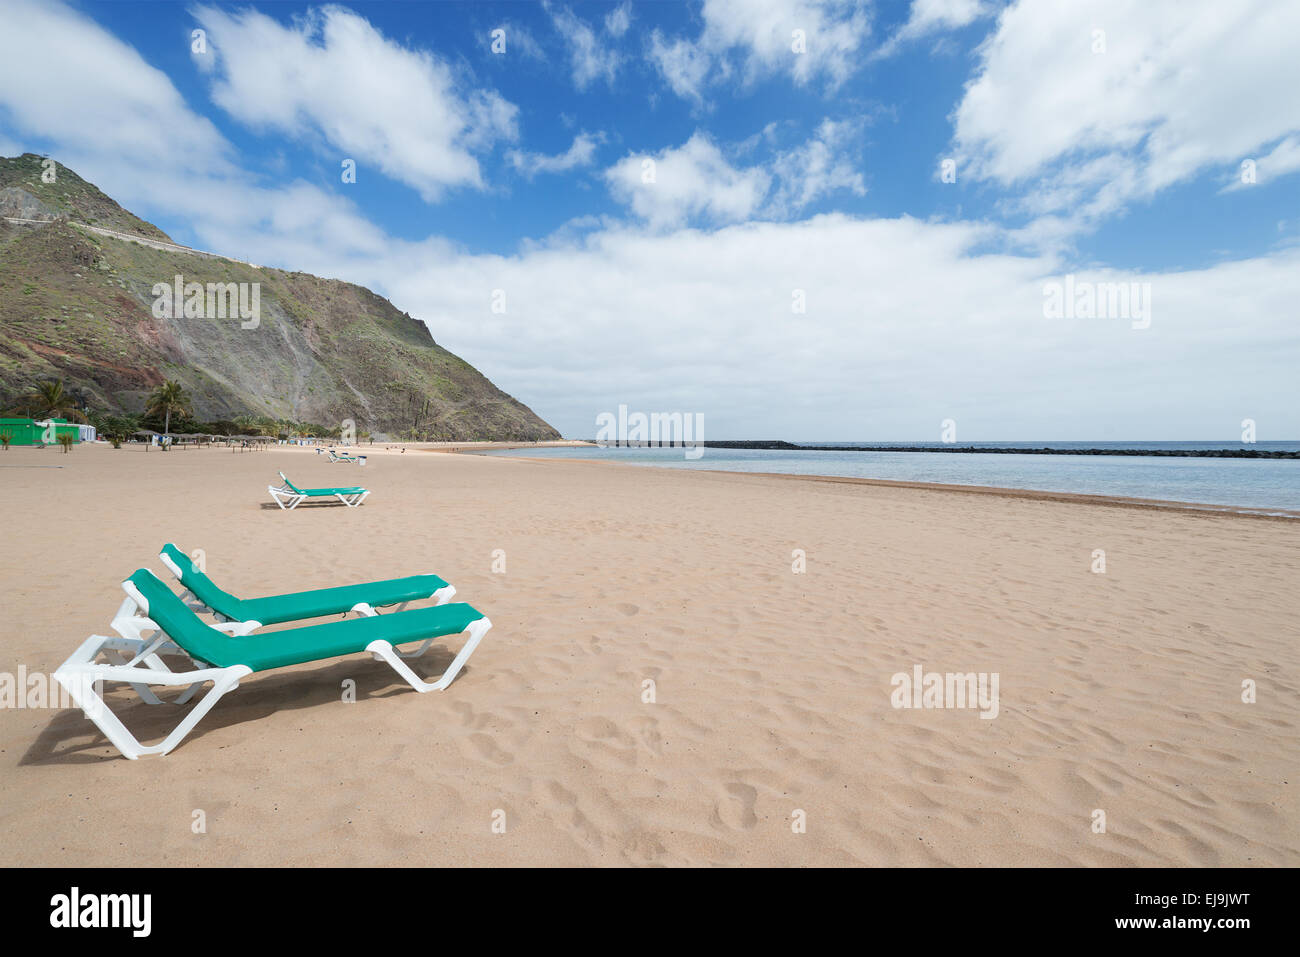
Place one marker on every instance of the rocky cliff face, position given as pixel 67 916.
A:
pixel 82 307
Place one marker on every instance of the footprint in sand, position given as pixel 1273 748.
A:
pixel 603 730
pixel 737 811
pixel 578 820
pixel 643 849
pixel 488 750
pixel 647 735
pixel 627 608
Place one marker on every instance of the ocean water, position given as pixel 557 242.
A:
pixel 1254 483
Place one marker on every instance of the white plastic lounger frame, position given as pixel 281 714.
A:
pixel 80 673
pixel 83 671
pixel 283 494
pixel 361 609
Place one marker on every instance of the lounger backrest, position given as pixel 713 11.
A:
pixel 205 590
pixel 290 484
pixel 181 625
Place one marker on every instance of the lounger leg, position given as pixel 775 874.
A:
pixel 188 693
pixel 80 686
pixel 364 609
pixel 443 595
pixel 227 682
pixel 185 696
pixel 146 651
pixel 419 650
pixel 282 495
pixel 384 650
pixel 146 694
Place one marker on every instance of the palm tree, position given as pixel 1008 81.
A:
pixel 49 400
pixel 168 398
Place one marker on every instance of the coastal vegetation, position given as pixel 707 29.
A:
pixel 168 410
pixel 168 398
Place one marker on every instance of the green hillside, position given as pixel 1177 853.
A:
pixel 78 306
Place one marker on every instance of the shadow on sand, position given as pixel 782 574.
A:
pixel 70 738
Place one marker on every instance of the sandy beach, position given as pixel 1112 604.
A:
pixel 1119 692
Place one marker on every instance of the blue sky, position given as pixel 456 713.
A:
pixel 797 148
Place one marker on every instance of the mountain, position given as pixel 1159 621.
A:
pixel 78 303
pixel 25 194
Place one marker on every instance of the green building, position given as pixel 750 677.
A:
pixel 44 431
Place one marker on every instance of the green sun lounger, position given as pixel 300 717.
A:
pixel 289 496
pixel 224 658
pixel 202 594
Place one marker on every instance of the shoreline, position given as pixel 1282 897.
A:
pixel 1075 498
pixel 471 448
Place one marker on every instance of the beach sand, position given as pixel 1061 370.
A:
pixel 1119 692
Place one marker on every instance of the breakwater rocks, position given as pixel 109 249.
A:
pixel 778 445
pixel 1002 450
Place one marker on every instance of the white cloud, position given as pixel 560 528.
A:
pixel 581 153
pixel 201 54
pixel 1284 158
pixel 98 91
pixel 906 325
pixel 112 139
pixel 693 181
pixel 592 58
pixel 618 20
pixel 518 39
pixel 933 16
pixel 817 168
pixel 696 183
pixel 761 36
pixel 1180 87
pixel 684 64
pixel 332 76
